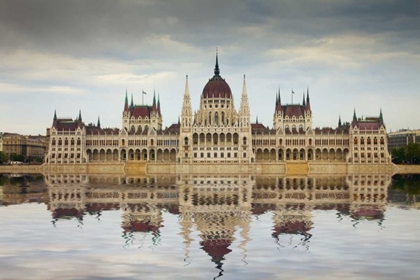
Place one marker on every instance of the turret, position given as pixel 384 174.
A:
pixel 354 115
pixel 99 123
pixel 339 121
pixel 308 102
pixel 132 103
pixel 158 105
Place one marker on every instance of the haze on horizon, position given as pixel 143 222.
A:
pixel 71 55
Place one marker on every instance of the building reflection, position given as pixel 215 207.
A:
pixel 219 208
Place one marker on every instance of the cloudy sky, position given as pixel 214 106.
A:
pixel 71 55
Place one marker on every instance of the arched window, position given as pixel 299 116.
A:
pixel 382 141
pixel 72 141
pixel 286 126
pixel 216 118
pixel 362 141
pixel 66 141
pixel 53 141
pixel 375 141
pixel 310 141
pixel 355 141
pixel 281 142
pixel 140 129
pixel 209 118
pixel 223 118
pixel 186 141
pixel 123 142
pixel 244 140
pixel 78 141
pixel 368 140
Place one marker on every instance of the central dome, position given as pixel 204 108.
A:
pixel 217 87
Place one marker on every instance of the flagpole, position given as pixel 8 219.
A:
pixel 142 97
pixel 292 96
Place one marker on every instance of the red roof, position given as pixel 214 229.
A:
pixel 67 124
pixel 293 110
pixel 217 87
pixel 140 226
pixel 141 111
pixel 216 248
pixel 259 128
pixel 292 227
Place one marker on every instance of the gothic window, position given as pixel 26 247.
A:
pixel 355 140
pixel 375 141
pixel 368 140
pixel 186 141
pixel 66 141
pixel 235 139
pixel 362 141
pixel 140 129
pixel 53 141
pixel 195 139
pixel 72 141
pixel 209 118
pixel 216 118
pixel 310 142
pixel 79 142
pixel 223 117
pixel 244 140
pixel 382 141
pixel 281 142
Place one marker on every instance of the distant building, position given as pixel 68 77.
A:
pixel 402 138
pixel 218 133
pixel 31 147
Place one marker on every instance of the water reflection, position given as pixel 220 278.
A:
pixel 219 210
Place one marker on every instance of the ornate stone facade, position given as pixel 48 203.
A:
pixel 218 133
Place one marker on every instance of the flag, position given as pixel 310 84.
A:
pixel 293 91
pixel 143 92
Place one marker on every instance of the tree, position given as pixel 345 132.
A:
pixel 412 153
pixel 398 155
pixel 3 157
pixel 16 157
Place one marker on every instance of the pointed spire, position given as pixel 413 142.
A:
pixel 99 123
pixel 126 101
pixel 256 119
pixel 354 115
pixel 307 95
pixel 132 103
pixel 80 115
pixel 381 116
pixel 244 112
pixel 186 113
pixel 158 104
pixel 179 120
pixel 308 104
pixel 339 120
pixel 303 102
pixel 216 67
pixel 154 101
pixel 55 115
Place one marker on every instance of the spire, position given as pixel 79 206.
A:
pixel 256 119
pixel 354 115
pixel 126 101
pixel 216 67
pixel 99 123
pixel 154 101
pixel 158 104
pixel 303 102
pixel 381 116
pixel 308 104
pixel 132 103
pixel 339 120
pixel 244 113
pixel 179 120
pixel 80 115
pixel 186 113
pixel 55 115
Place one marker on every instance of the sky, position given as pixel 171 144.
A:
pixel 83 55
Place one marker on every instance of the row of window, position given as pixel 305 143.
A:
pixel 362 155
pixel 369 141
pixel 66 141
pixel 215 155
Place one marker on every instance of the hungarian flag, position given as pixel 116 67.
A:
pixel 293 91
pixel 143 92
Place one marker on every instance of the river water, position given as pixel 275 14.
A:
pixel 206 227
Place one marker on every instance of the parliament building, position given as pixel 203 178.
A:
pixel 218 133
